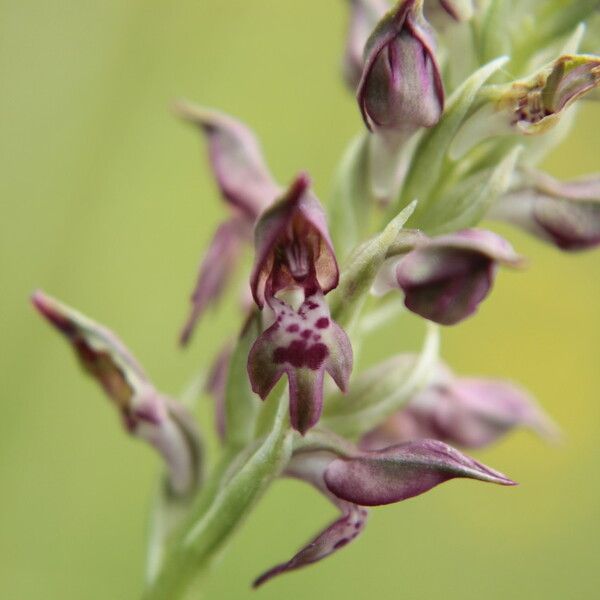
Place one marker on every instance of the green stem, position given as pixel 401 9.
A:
pixel 210 527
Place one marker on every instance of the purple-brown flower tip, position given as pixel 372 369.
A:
pixel 303 344
pixel 335 536
pixel 216 269
pixel 364 15
pixel 446 278
pixel 293 247
pixel 401 88
pixel 146 414
pixel 565 214
pixel 236 159
pixel 401 472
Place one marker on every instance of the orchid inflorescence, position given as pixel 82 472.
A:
pixel 459 102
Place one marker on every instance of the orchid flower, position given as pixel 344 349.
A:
pixel 294 254
pixel 248 188
pixel 353 479
pixel 445 278
pixel 467 412
pixel 565 214
pixel 146 413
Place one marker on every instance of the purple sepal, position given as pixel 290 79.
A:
pixel 292 245
pixel 145 412
pixel 467 412
pixel 566 214
pixel 401 88
pixel 401 472
pixel 364 15
pixel 236 160
pixel 302 344
pixel 445 278
pixel 216 269
pixel 309 467
pixel 216 383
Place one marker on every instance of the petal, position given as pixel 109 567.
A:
pixel 364 15
pixel 303 344
pixel 309 467
pixel 292 244
pixel 566 214
pixel 335 536
pixel 215 270
pixel 445 279
pixel 403 471
pixel 236 159
pixel 216 386
pixel 401 87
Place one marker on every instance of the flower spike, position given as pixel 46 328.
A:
pixel 147 414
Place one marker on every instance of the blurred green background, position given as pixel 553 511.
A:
pixel 107 204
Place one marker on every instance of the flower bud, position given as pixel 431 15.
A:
pixel 401 88
pixel 445 278
pixel 566 214
pixel 532 106
pixel 364 15
pixel 147 414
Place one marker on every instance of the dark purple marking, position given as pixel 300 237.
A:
pixel 322 323
pixel 293 328
pixel 312 305
pixel 300 354
pixel 306 333
pixel 341 543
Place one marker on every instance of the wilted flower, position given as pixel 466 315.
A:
pixel 294 253
pixel 532 106
pixel 146 413
pixel 467 412
pixel 401 88
pixel 352 479
pixel 566 214
pixel 364 15
pixel 445 278
pixel 248 187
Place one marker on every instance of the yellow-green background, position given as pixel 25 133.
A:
pixel 106 203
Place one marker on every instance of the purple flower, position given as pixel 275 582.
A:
pixel 445 278
pixel 401 88
pixel 352 479
pixel 364 15
pixel 294 254
pixel 566 214
pixel 246 185
pixel 146 413
pixel 467 412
